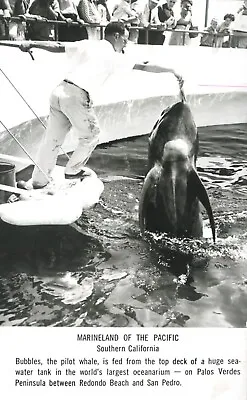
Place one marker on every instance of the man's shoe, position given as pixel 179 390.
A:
pixel 29 186
pixel 13 198
pixel 24 185
pixel 38 186
pixel 80 175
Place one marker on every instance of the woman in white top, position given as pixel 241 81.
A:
pixel 123 12
pixel 183 23
pixel 103 10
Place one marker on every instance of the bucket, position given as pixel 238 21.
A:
pixel 7 177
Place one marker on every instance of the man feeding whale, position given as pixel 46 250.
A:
pixel 172 189
pixel 71 102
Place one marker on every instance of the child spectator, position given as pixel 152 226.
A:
pixel 208 39
pixel 224 30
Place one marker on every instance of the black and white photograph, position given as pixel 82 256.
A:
pixel 123 179
pixel 123 163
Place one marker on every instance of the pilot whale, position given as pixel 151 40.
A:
pixel 172 190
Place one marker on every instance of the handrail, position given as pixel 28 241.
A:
pixel 161 28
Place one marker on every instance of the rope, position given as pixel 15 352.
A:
pixel 25 151
pixel 28 105
pixel 182 95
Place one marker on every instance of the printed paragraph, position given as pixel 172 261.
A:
pixel 119 371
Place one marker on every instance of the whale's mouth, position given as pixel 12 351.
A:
pixel 175 168
pixel 174 192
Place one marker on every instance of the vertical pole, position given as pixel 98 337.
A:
pixel 6 23
pixel 146 35
pixel 206 13
pixel 101 33
pixel 56 32
pixel 183 38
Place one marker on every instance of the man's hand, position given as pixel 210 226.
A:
pixel 80 21
pixel 179 78
pixel 25 46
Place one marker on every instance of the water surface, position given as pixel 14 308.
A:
pixel 100 272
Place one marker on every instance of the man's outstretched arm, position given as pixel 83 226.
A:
pixel 27 45
pixel 155 68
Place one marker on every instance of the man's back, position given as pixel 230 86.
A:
pixel 92 63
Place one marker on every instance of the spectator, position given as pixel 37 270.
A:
pixel 46 9
pixel 6 11
pixel 238 40
pixel 183 23
pixel 124 12
pixel 69 13
pixel 243 8
pixel 147 12
pixel 166 15
pixel 105 15
pixel 104 12
pixel 187 5
pixel 17 30
pixel 89 13
pixel 134 33
pixel 21 7
pixel 208 39
pixel 224 31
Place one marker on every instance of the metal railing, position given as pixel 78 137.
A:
pixel 22 19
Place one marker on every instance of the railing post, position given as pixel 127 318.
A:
pixel 146 35
pixel 230 40
pixel 56 32
pixel 6 23
pixel 215 39
pixel 101 32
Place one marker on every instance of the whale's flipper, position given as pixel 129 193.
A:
pixel 148 195
pixel 197 189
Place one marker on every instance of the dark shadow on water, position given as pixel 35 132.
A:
pixel 44 249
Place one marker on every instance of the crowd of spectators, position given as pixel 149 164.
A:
pixel 157 20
